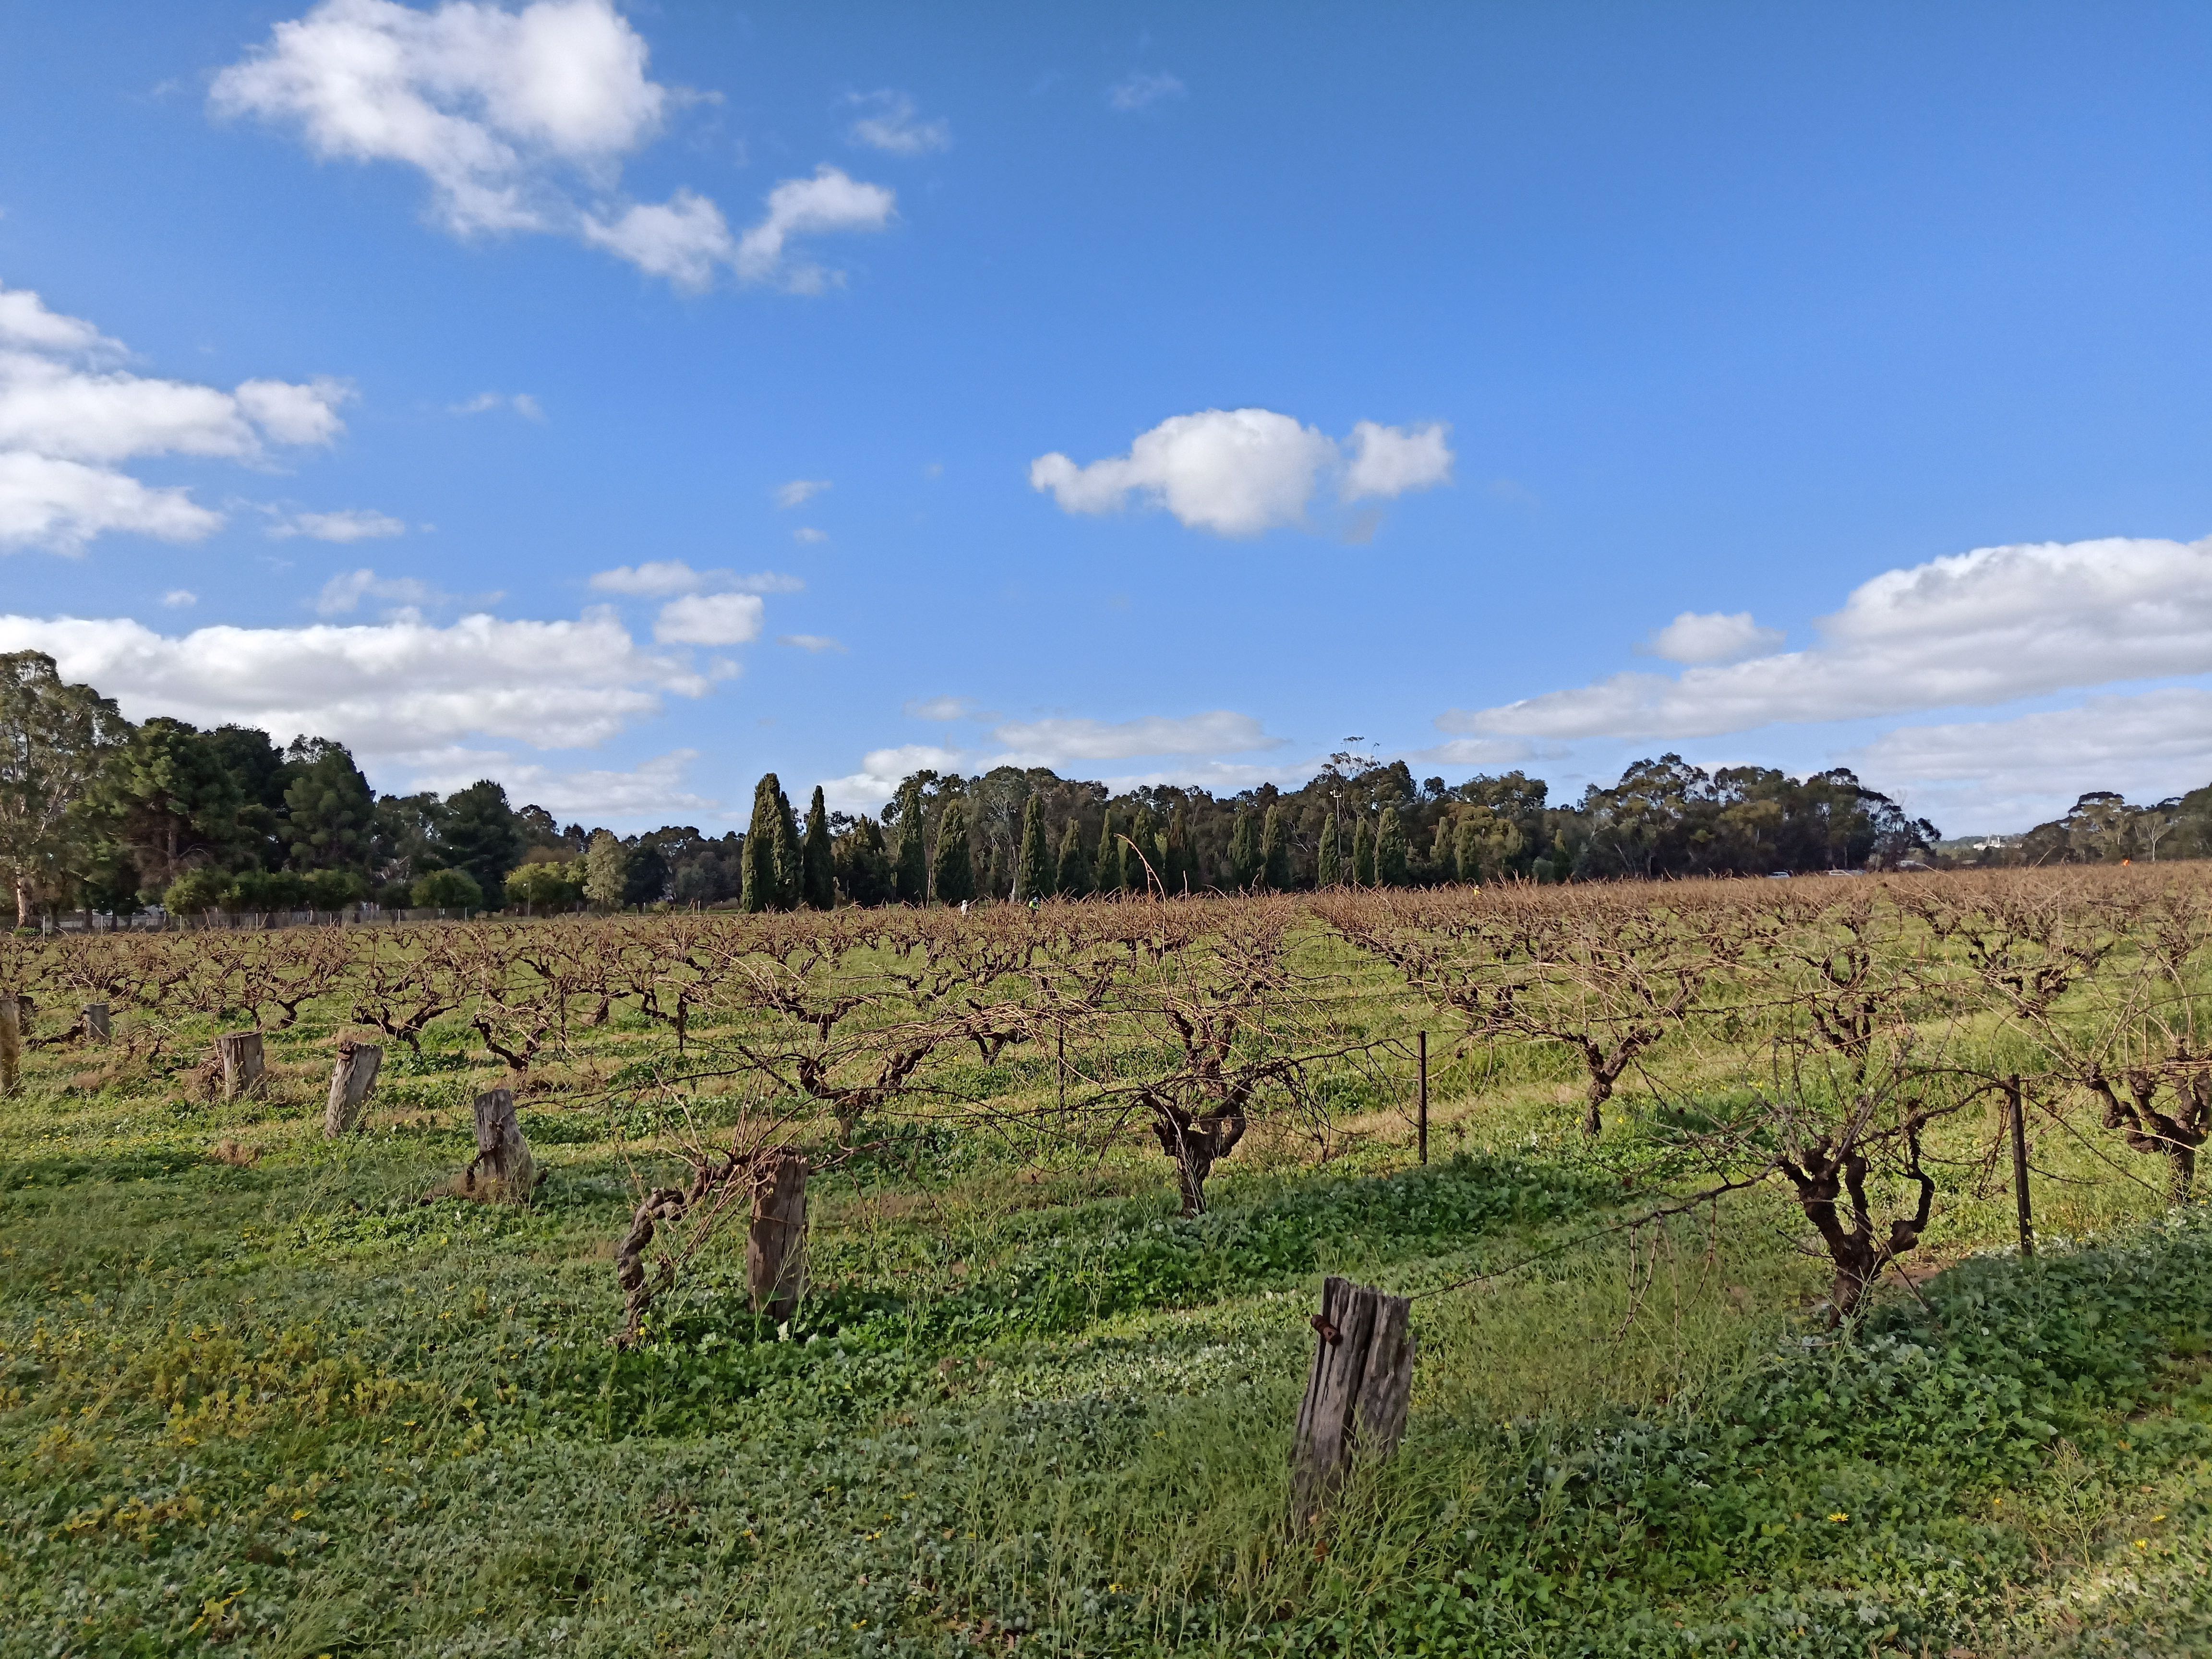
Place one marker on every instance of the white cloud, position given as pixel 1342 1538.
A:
pixel 1389 460
pixel 709 619
pixel 658 578
pixel 881 769
pixel 808 534
pixel 888 123
pixel 341 595
pixel 943 709
pixel 349 524
pixel 1239 472
pixel 66 420
pixel 684 239
pixel 1141 91
pixel 390 688
pixel 179 598
pixel 521 402
pixel 829 201
pixel 1714 636
pixel 800 491
pixel 1053 742
pixel 814 642
pixel 1975 628
pixel 653 787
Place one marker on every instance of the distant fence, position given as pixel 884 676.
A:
pixel 252 921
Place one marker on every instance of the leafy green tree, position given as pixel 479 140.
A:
pixel 1034 878
pixel 1178 873
pixel 1275 852
pixel 1362 854
pixel 606 870
pixel 647 881
pixel 952 877
pixel 818 879
pixel 446 889
pixel 195 893
pixel 257 767
pixel 174 803
pixel 55 741
pixel 910 858
pixel 1390 850
pixel 478 833
pixel 1106 867
pixel 1244 861
pixel 546 884
pixel 334 890
pixel 863 864
pixel 1072 878
pixel 330 812
pixel 1328 872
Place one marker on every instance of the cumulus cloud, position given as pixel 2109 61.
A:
pixel 342 594
pixel 944 708
pixel 653 789
pixel 69 418
pixel 179 598
pixel 800 491
pixel 1239 472
pixel 1052 742
pixel 816 643
pixel 889 121
pixel 829 201
pixel 1974 628
pixel 519 120
pixel 1714 636
pixel 392 689
pixel 808 534
pixel 709 619
pixel 1142 91
pixel 349 525
pixel 521 402
pixel 867 789
pixel 658 578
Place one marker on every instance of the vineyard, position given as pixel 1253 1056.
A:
pixel 1806 1267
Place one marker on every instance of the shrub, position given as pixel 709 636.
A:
pixel 196 892
pixel 551 885
pixel 447 889
pixel 333 889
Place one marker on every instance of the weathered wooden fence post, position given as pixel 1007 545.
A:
pixel 11 1041
pixel 775 1245
pixel 1356 1393
pixel 503 1167
pixel 1424 1097
pixel 241 1056
pixel 2016 1110
pixel 351 1079
pixel 98 1024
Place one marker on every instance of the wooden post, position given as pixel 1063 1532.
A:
pixel 1356 1393
pixel 99 1025
pixel 351 1079
pixel 2016 1110
pixel 776 1246
pixel 1424 1097
pixel 503 1167
pixel 11 1042
pixel 242 1067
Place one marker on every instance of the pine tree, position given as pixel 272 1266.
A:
pixel 818 885
pixel 1244 849
pixel 1275 852
pixel 1072 878
pixel 910 865
pixel 1327 872
pixel 1390 850
pixel 1033 877
pixel 1362 854
pixel 953 876
pixel 1106 868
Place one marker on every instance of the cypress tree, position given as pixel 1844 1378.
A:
pixel 761 887
pixel 1327 872
pixel 1106 868
pixel 1033 877
pixel 1244 849
pixel 953 876
pixel 1467 850
pixel 1140 868
pixel 1275 852
pixel 1390 850
pixel 910 867
pixel 1073 877
pixel 790 874
pixel 818 885
pixel 1177 874
pixel 1362 854
pixel 1445 857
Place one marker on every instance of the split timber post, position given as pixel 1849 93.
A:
pixel 11 1041
pixel 503 1167
pixel 2016 1110
pixel 1356 1393
pixel 1424 1097
pixel 351 1079
pixel 99 1022
pixel 241 1056
pixel 775 1245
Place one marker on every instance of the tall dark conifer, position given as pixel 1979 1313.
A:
pixel 762 889
pixel 1073 877
pixel 1244 849
pixel 952 876
pixel 1034 876
pixel 1362 854
pixel 909 857
pixel 1327 868
pixel 1178 872
pixel 1106 868
pixel 1390 850
pixel 818 881
pixel 1275 852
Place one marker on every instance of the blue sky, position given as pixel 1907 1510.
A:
pixel 1169 396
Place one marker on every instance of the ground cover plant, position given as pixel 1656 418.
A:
pixel 1725 1339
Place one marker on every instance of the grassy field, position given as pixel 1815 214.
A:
pixel 261 1388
